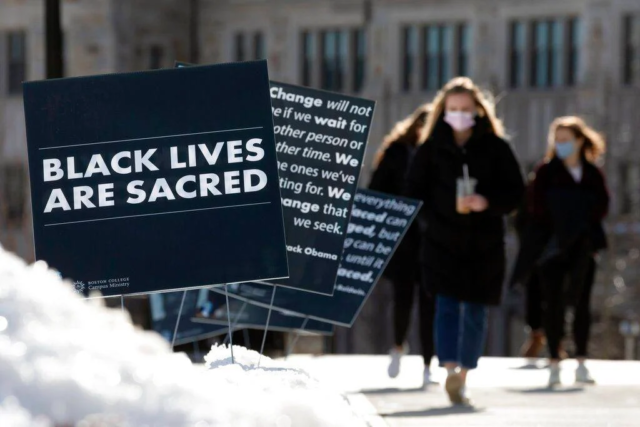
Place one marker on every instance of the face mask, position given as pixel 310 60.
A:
pixel 460 120
pixel 564 150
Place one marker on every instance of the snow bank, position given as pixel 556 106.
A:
pixel 14 415
pixel 68 361
pixel 297 399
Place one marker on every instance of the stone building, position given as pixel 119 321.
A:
pixel 541 59
pixel 99 37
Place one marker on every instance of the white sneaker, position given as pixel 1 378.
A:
pixel 456 389
pixel 426 378
pixel 394 365
pixel 466 398
pixel 554 376
pixel 583 376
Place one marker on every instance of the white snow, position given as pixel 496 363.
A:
pixel 14 415
pixel 69 361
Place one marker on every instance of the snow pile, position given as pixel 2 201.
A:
pixel 68 361
pixel 12 414
pixel 298 397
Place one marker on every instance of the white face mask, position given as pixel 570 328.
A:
pixel 460 120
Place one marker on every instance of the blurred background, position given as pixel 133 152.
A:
pixel 541 59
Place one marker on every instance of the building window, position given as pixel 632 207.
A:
pixel 13 181
pixel 156 54
pixel 573 59
pixel 557 52
pixel 360 50
pixel 238 47
pixel 249 46
pixel 631 49
pixel 440 50
pixel 342 56
pixel 550 53
pixel 464 47
pixel 541 69
pixel 409 53
pixel 259 50
pixel 329 60
pixel 446 55
pixel 518 50
pixel 308 56
pixel 342 52
pixel 334 57
pixel 431 58
pixel 17 60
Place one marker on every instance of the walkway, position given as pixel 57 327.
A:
pixel 506 392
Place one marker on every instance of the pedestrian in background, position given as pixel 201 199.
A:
pixel 569 200
pixel 537 340
pixel 468 178
pixel 391 166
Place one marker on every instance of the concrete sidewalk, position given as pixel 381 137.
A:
pixel 505 392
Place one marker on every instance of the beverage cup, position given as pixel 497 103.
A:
pixel 461 192
pixel 464 188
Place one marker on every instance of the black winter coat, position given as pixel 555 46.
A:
pixel 389 177
pixel 564 220
pixel 464 255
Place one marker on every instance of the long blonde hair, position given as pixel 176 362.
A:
pixel 594 143
pixel 404 130
pixel 485 105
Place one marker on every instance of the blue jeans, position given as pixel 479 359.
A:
pixel 461 329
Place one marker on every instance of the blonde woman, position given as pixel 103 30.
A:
pixel 468 178
pixel 568 201
pixel 391 165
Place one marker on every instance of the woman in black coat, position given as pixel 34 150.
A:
pixel 403 270
pixel 532 348
pixel 534 309
pixel 567 205
pixel 464 252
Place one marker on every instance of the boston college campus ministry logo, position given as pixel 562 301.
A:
pixel 79 286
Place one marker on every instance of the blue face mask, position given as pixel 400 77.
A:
pixel 564 150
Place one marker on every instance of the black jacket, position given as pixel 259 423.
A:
pixel 464 255
pixel 564 219
pixel 389 177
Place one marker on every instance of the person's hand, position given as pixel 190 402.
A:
pixel 476 203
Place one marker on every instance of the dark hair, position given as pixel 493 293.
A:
pixel 404 131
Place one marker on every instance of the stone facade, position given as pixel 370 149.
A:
pixel 100 37
pixel 599 94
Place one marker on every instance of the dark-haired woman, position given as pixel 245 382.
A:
pixel 468 178
pixel 391 165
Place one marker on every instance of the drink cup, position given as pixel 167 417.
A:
pixel 464 188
